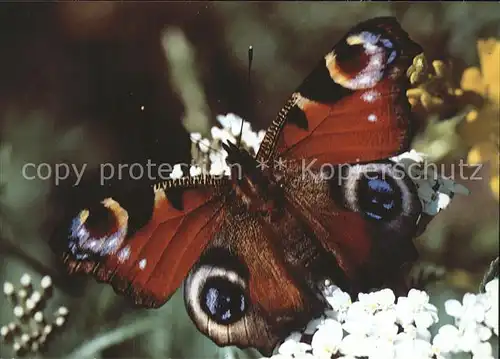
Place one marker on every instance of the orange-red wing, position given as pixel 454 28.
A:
pixel 370 240
pixel 247 264
pixel 353 106
pixel 152 263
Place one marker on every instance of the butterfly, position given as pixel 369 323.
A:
pixel 319 201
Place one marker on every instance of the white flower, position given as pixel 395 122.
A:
pixel 483 332
pixel 355 345
pixel 472 338
pixel 380 300
pixel 453 307
pixel 293 347
pixel 246 128
pixel 470 312
pixel 384 325
pixel 371 347
pixel 412 349
pixel 327 339
pixel 195 171
pixel 434 191
pixel 471 319
pixel 251 140
pixel 373 314
pixel 260 135
pixel 373 325
pixel 491 296
pixel 195 136
pixel 491 318
pixel 443 201
pixel 482 351
pixel 235 124
pixel 218 165
pixel 411 331
pixel 176 172
pixel 339 302
pixel 232 126
pixel 380 349
pixel 358 320
pixel 230 122
pixel 222 135
pixel 217 168
pixel 412 155
pixel 313 325
pixel 491 288
pixel 416 309
pixel 204 145
pixel 446 340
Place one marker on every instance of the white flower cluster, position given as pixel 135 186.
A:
pixel 476 320
pixel 31 330
pixel 209 156
pixel 379 326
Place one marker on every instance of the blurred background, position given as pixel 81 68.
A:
pixel 103 81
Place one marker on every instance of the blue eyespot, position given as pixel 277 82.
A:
pixel 99 231
pixel 387 43
pixel 379 198
pixel 223 301
pixel 392 56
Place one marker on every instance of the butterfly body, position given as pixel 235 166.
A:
pixel 257 188
pixel 319 201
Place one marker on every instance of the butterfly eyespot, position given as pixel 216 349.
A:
pixel 361 62
pixel 224 301
pixel 382 192
pixel 379 196
pixel 99 230
pixel 217 294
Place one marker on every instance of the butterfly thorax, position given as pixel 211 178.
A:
pixel 256 187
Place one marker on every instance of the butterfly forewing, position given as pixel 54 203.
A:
pixel 150 264
pixel 353 106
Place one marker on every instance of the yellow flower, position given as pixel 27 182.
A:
pixel 434 91
pixel 438 106
pixel 494 185
pixel 480 130
pixel 486 81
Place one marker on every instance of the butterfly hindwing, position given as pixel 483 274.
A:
pixel 244 291
pixel 365 215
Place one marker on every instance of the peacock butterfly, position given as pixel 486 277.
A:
pixel 252 249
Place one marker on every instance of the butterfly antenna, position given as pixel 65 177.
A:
pixel 250 58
